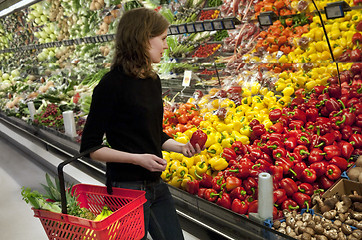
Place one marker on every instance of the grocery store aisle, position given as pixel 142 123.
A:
pixel 17 221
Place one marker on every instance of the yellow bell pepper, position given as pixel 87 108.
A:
pixel 176 156
pixel 236 125
pixel 219 164
pixel 220 127
pixel 185 180
pixel 356 18
pixel 200 158
pixel 188 162
pixel 182 138
pixel 205 124
pixel 174 165
pixel 211 139
pixel 227 142
pixel 166 175
pixel 166 155
pixel 175 182
pixel 284 101
pixel 267 124
pixel 201 168
pixel 181 171
pixel 245 131
pixel 214 150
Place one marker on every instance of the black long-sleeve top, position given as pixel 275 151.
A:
pixel 129 111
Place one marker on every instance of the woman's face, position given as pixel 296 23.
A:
pixel 158 44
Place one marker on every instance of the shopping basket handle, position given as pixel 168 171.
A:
pixel 61 175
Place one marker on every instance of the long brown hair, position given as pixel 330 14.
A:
pixel 134 30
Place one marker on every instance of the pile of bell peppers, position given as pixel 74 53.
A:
pixel 309 145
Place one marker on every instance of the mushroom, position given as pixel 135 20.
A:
pixel 321 237
pixel 346 229
pixel 306 236
pixel 357 234
pixel 338 223
pixel 290 221
pixel 341 236
pixel 357 206
pixel 355 197
pixel 356 215
pixel 343 205
pixel 330 214
pixel 319 229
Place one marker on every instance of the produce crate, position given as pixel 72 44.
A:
pixel 343 186
pixel 126 221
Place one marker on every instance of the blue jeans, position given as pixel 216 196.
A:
pixel 160 215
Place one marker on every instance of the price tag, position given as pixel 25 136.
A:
pixel 228 24
pixel 190 28
pixel 168 31
pixel 334 12
pixel 187 78
pixel 279 54
pixel 174 30
pixel 199 26
pixel 218 25
pixel 182 28
pixel 208 26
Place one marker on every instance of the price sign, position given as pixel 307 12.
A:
pixel 190 28
pixel 208 26
pixel 218 25
pixel 279 54
pixel 57 44
pixel 104 38
pixel 174 30
pixel 187 78
pixel 265 20
pixel 228 24
pixel 199 26
pixel 334 11
pixel 182 28
pixel 168 31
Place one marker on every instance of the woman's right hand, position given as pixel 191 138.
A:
pixel 151 162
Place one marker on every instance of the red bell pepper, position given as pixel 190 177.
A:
pixel 253 207
pixel 289 186
pixel 358 120
pixel 306 188
pixel 316 155
pixel 228 154
pixel 286 164
pixel 309 175
pixel 326 139
pixel 239 193
pixel 303 139
pixel 276 172
pixel 332 151
pixel 341 163
pixel 239 206
pixel 303 200
pixel 198 137
pixel 357 38
pixel 224 200
pixel 290 205
pixel 206 181
pixel 254 122
pixel 294 157
pixel 350 116
pixel 218 182
pixel 192 187
pixel 312 114
pixel 290 143
pixel 332 105
pixel 275 114
pixel 296 124
pixel 279 152
pixel 258 130
pixel 346 132
pixel 201 192
pixel 275 144
pixel 280 195
pixel 346 149
pixel 319 167
pixel 275 137
pixel 250 185
pixel 299 169
pixel 241 170
pixel 337 136
pixel 298 114
pixel 239 148
pixel 325 182
pixel 276 128
pixel 211 194
pixel 261 165
pixel 333 172
pixel 232 182
pixel 302 151
pixel 334 90
pixel 356 140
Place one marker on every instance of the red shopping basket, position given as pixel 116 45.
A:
pixel 126 221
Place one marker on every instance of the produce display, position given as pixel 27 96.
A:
pixel 283 99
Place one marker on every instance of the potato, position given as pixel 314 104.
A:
pixel 360 177
pixel 354 173
pixel 359 161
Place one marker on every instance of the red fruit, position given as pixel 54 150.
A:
pixel 198 137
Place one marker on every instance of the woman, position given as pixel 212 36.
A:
pixel 127 107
